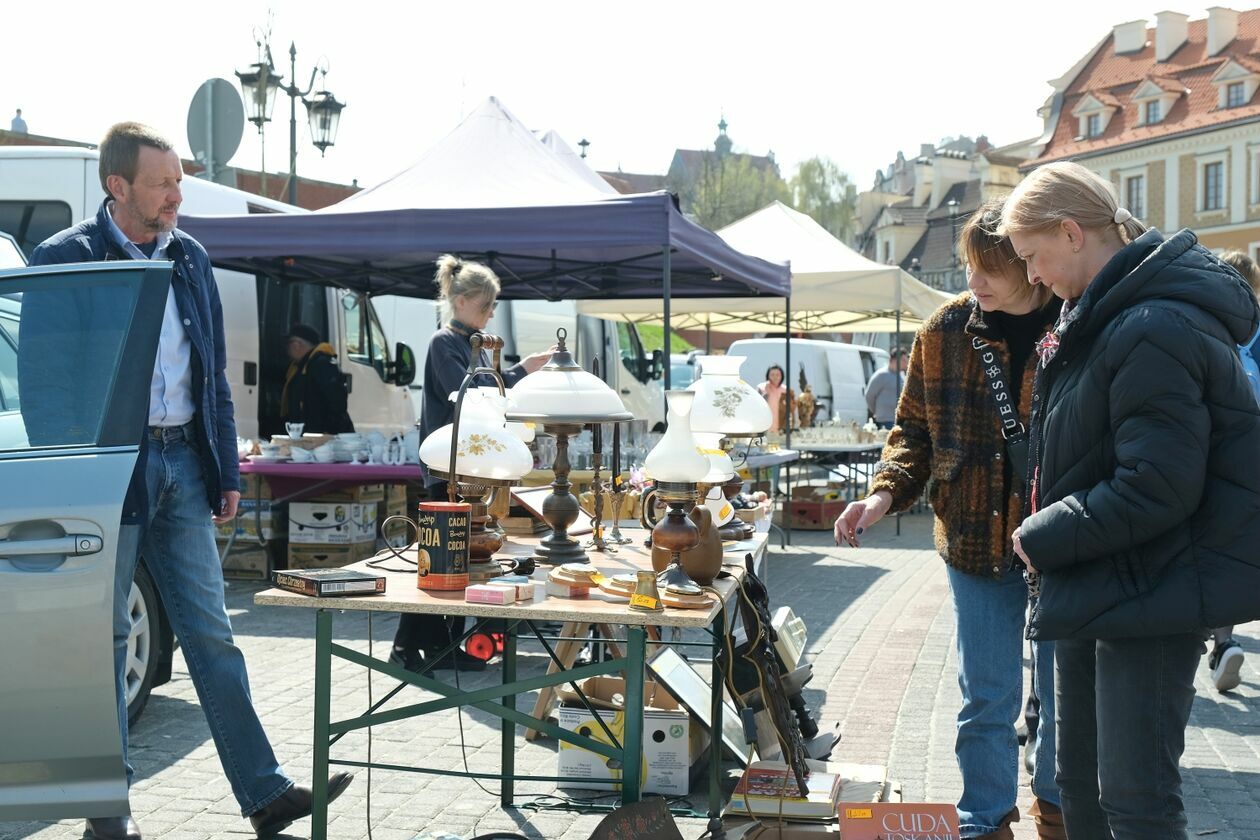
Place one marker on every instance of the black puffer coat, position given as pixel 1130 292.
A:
pixel 1147 452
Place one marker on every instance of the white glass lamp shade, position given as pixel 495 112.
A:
pixel 675 457
pixel 562 392
pixel 721 467
pixel 724 402
pixel 487 398
pixel 565 393
pixel 487 448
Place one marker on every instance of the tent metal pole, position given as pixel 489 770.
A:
pixel 665 282
pixel 787 431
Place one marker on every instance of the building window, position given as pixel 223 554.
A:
pixel 1153 109
pixel 1235 95
pixel 887 253
pixel 1214 186
pixel 1135 195
pixel 1093 125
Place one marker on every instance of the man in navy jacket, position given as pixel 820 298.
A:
pixel 187 476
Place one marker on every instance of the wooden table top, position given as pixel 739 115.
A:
pixel 402 595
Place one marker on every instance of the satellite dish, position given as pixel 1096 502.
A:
pixel 216 122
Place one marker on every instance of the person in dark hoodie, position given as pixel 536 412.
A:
pixel 314 389
pixel 1145 490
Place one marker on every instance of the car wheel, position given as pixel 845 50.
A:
pixel 142 644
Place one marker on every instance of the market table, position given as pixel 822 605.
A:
pixel 402 596
pixel 856 459
pixel 290 482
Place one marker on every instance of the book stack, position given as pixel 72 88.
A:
pixel 768 789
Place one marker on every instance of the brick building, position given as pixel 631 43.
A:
pixel 1170 115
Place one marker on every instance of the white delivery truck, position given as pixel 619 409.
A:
pixel 837 372
pixel 44 189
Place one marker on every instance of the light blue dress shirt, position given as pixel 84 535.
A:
pixel 170 392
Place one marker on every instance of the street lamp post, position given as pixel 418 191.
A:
pixel 260 84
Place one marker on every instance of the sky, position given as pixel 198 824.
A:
pixel 852 81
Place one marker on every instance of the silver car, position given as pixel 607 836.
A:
pixel 77 344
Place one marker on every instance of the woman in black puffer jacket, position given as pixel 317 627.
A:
pixel 1145 490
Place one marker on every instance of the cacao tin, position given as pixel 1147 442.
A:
pixel 442 536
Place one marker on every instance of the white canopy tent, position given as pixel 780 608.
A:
pixel 834 288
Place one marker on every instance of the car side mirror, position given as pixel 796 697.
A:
pixel 404 364
pixel 658 364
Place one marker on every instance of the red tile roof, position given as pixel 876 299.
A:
pixel 1107 74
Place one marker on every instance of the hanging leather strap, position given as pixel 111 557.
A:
pixel 1013 431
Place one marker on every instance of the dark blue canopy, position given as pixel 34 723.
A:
pixel 617 247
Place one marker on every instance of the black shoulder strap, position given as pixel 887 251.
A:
pixel 1013 431
pixel 1008 412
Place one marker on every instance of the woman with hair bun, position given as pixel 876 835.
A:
pixel 468 292
pixel 1145 490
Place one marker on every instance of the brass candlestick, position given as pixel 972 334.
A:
pixel 597 540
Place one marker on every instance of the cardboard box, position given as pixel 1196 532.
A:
pixel 356 493
pixel 813 508
pixel 395 503
pixel 254 518
pixel 671 745
pixel 332 523
pixel 246 561
pixel 326 556
pixel 254 487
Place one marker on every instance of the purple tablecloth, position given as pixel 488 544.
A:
pixel 293 482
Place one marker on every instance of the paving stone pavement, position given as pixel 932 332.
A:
pixel 881 639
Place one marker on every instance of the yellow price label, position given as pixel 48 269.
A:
pixel 859 813
pixel 646 601
pixel 597 579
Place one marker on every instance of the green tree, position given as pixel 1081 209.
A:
pixel 825 193
pixel 729 187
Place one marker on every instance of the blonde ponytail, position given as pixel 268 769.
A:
pixel 455 277
pixel 1064 190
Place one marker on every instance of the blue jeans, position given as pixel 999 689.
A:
pixel 177 542
pixel 1123 705
pixel 990 615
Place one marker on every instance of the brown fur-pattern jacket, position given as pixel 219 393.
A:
pixel 947 430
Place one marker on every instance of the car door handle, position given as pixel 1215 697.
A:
pixel 625 390
pixel 71 545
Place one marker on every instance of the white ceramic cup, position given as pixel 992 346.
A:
pixel 294 429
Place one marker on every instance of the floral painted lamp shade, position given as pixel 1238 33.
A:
pixel 725 403
pixel 488 448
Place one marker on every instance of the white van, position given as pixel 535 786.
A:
pixel 44 189
pixel 837 372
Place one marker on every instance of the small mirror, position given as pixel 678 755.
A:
pixel 658 364
pixel 404 364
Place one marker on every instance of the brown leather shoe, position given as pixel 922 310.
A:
pixel 1003 831
pixel 294 804
pixel 111 828
pixel 1049 820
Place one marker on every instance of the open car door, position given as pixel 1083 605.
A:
pixel 77 346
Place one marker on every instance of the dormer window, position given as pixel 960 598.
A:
pixel 1093 113
pixel 1155 97
pixel 1235 95
pixel 1236 83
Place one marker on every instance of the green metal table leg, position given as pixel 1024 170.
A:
pixel 718 630
pixel 507 727
pixel 323 695
pixel 632 742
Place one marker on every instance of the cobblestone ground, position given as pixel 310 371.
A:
pixel 881 639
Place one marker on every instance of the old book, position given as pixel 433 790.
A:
pixel 768 788
pixel 326 583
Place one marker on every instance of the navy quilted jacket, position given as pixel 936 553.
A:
pixel 1147 452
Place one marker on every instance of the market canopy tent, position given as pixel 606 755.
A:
pixel 834 288
pixel 493 192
